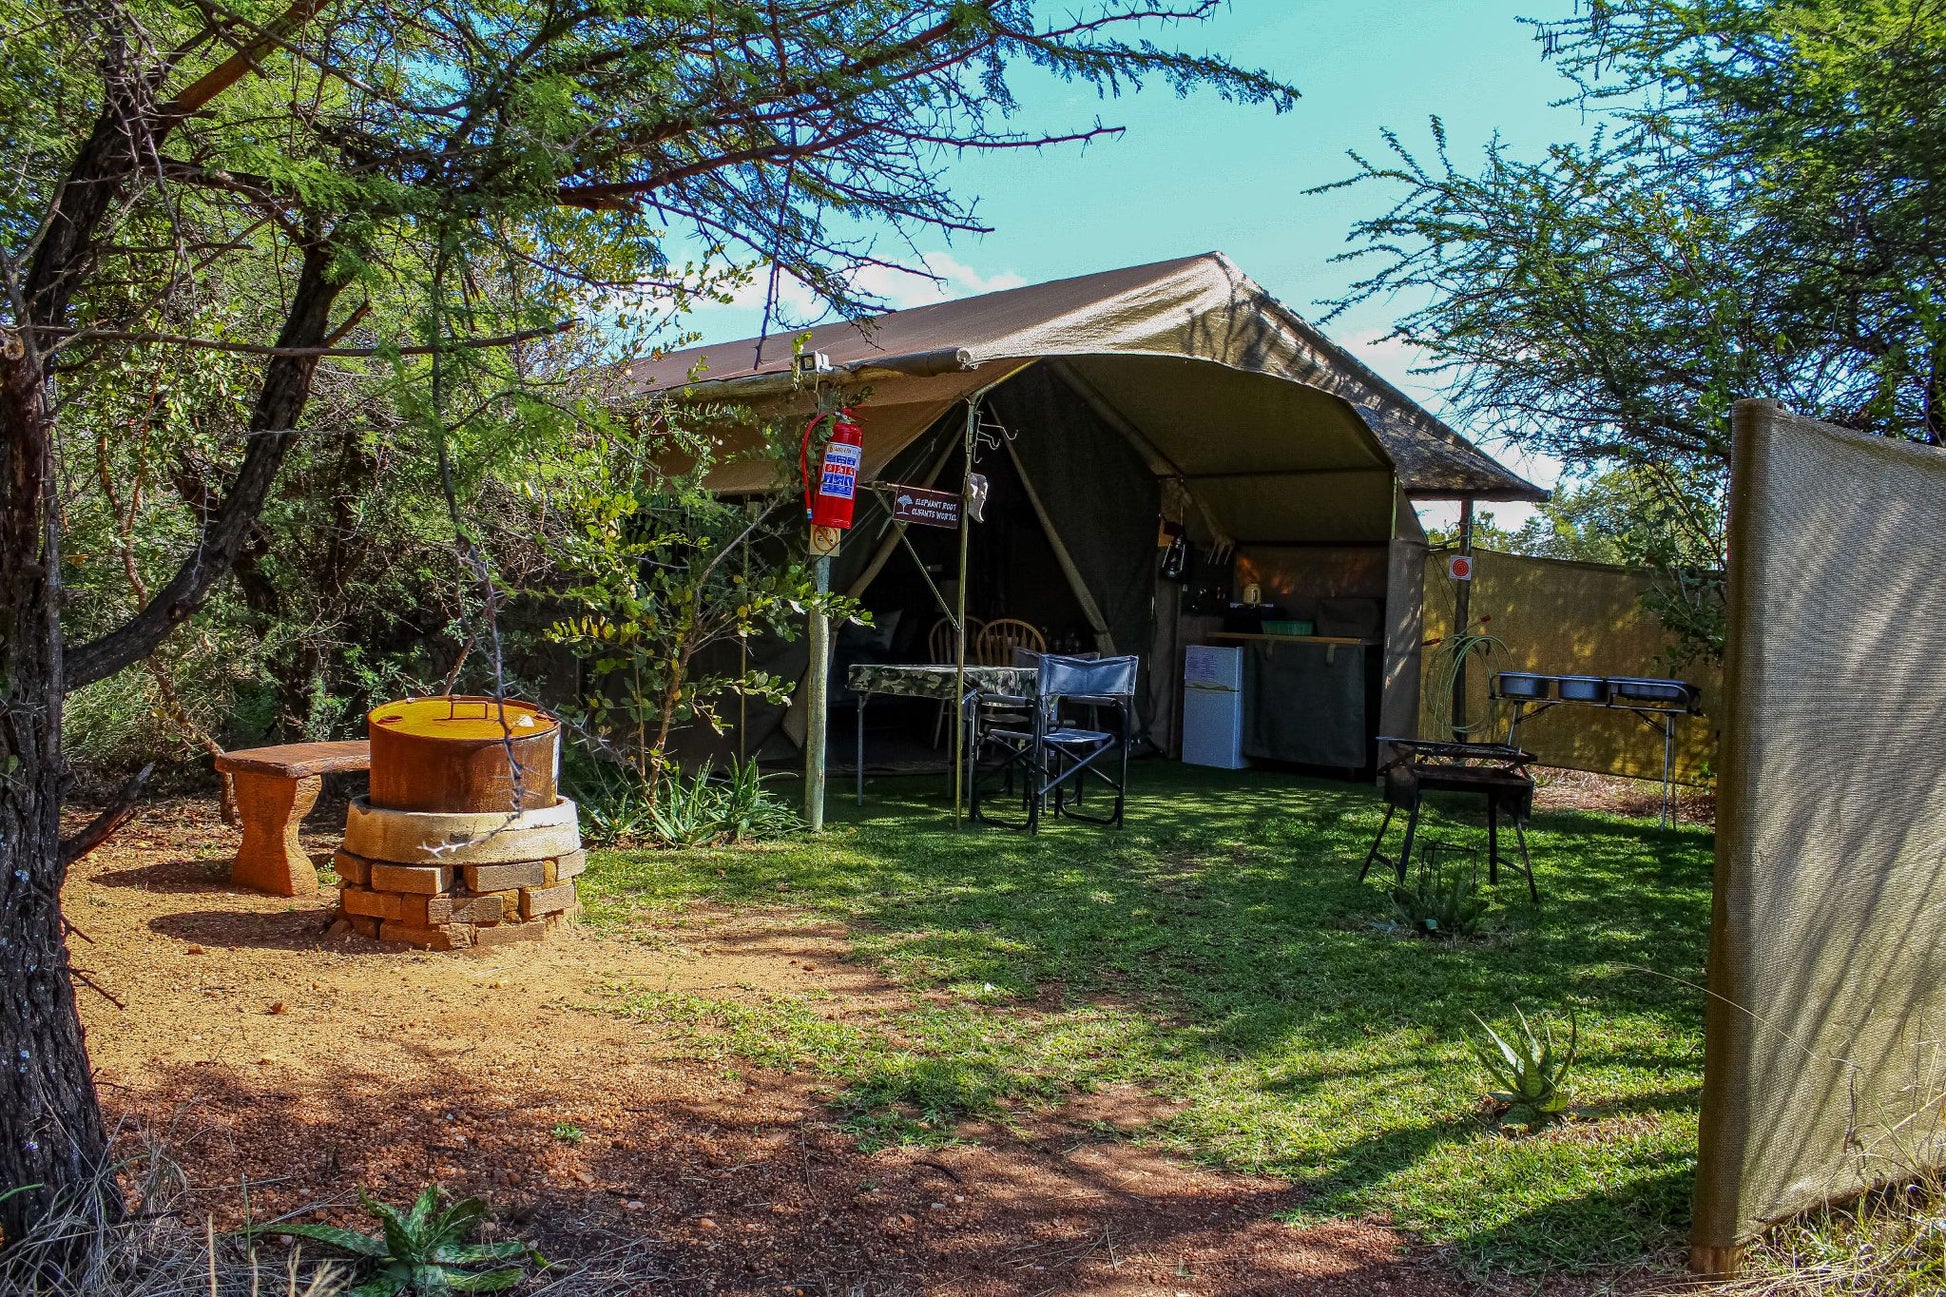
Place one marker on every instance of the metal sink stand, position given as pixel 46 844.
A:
pixel 1660 717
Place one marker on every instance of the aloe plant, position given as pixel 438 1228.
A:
pixel 421 1251
pixel 1531 1077
pixel 1440 900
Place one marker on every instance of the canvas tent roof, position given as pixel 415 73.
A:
pixel 1216 382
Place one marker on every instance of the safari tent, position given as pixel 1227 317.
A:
pixel 1114 411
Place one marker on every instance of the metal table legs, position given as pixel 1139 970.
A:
pixel 860 773
pixel 1661 719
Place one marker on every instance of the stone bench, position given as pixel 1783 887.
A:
pixel 275 788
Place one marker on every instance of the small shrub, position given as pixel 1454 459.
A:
pixel 696 811
pixel 686 814
pixel 1531 1077
pixel 749 811
pixel 1441 900
pixel 420 1251
pixel 567 1132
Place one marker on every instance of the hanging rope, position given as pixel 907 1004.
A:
pixel 473 560
pixel 783 203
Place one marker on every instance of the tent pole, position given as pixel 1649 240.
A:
pixel 1462 621
pixel 959 613
pixel 1078 587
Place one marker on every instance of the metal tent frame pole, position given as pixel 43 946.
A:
pixel 959 613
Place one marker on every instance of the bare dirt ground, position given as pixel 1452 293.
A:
pixel 1582 790
pixel 257 1048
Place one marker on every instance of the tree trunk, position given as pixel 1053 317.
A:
pixel 51 1137
pixel 51 1132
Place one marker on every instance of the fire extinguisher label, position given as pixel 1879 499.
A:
pixel 840 477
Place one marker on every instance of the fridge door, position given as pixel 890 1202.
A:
pixel 1212 707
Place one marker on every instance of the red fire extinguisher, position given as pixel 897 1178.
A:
pixel 828 499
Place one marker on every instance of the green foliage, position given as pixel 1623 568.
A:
pixel 685 814
pixel 567 1132
pixel 1755 214
pixel 464 184
pixel 703 809
pixel 647 572
pixel 1531 1077
pixel 421 1251
pixel 1441 900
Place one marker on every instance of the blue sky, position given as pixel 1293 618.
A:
pixel 1194 175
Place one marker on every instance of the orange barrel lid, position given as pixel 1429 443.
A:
pixel 461 719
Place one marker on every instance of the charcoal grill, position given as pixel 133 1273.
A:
pixel 1495 772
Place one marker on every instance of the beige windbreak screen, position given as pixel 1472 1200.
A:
pixel 1563 618
pixel 1824 1069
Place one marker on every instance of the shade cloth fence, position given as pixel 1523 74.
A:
pixel 1824 1070
pixel 1562 617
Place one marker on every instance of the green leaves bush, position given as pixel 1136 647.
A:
pixel 1440 900
pixel 620 807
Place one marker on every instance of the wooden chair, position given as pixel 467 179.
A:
pixel 1000 637
pixel 940 648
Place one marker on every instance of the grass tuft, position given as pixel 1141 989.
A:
pixel 158 1249
pixel 1889 1243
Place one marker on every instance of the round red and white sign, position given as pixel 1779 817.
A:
pixel 1460 567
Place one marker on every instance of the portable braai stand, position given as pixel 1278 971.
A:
pixel 1494 772
pixel 1660 704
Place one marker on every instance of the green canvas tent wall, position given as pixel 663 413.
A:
pixel 1175 388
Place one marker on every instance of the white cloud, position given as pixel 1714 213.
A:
pixel 944 278
pixel 951 279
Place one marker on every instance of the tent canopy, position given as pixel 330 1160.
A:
pixel 1278 433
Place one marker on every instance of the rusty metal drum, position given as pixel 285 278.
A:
pixel 459 754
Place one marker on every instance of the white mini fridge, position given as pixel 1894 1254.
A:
pixel 1212 707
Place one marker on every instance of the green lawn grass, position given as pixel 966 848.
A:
pixel 1220 951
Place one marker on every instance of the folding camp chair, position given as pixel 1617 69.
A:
pixel 1053 758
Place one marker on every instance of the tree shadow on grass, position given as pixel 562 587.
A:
pixel 1588 1232
pixel 1228 923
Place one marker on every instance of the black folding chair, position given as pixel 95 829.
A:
pixel 1053 757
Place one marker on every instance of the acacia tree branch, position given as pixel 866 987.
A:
pixel 198 93
pixel 319 352
pixel 105 825
pixel 280 401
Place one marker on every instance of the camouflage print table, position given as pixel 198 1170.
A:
pixel 927 680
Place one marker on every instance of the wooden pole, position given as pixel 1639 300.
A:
pixel 817 706
pixel 1462 621
pixel 752 509
pixel 959 616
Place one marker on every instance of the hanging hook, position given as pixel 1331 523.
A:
pixel 984 434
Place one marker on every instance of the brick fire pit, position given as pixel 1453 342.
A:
pixel 441 866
